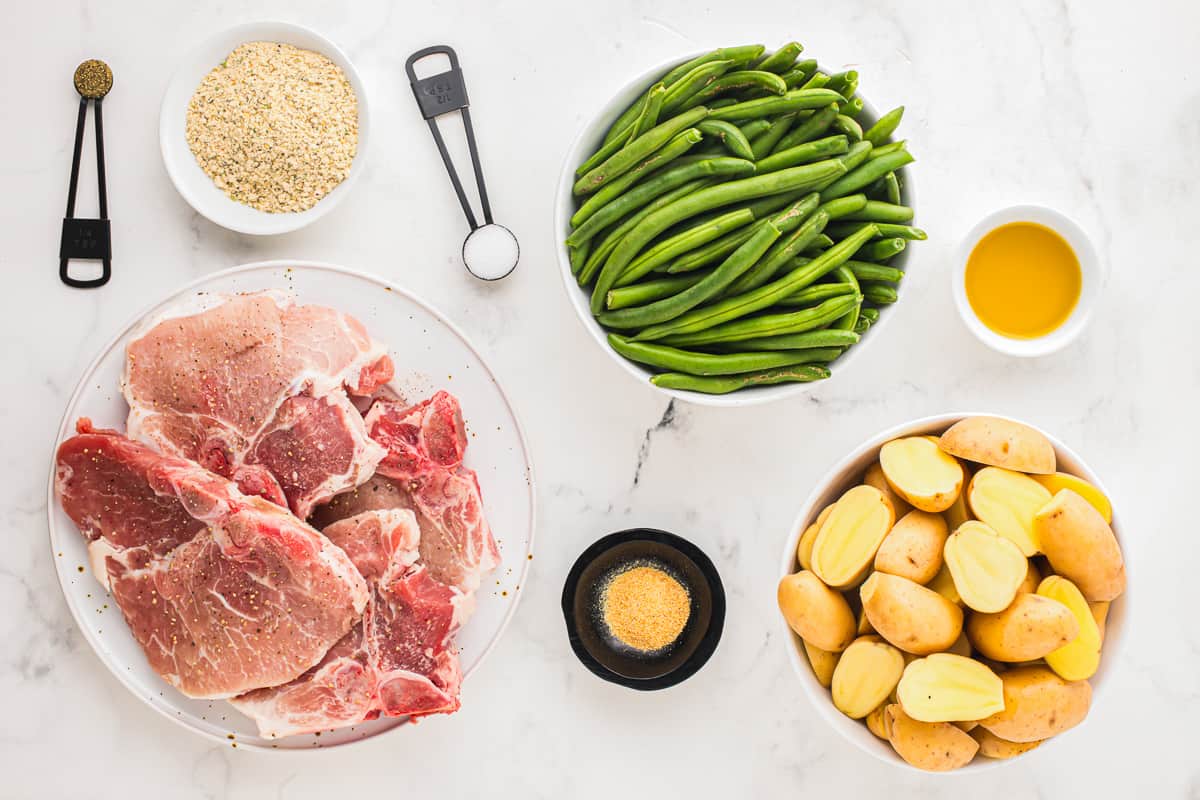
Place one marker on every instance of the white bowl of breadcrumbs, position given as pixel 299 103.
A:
pixel 264 127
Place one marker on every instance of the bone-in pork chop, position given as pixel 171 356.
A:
pixel 257 389
pixel 397 662
pixel 224 592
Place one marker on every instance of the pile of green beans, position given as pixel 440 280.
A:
pixel 736 225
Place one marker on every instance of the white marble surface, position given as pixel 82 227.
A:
pixel 1091 107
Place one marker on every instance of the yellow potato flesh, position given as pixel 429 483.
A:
pixel 1061 480
pixel 845 546
pixel 921 473
pixel 866 674
pixel 1007 501
pixel 944 687
pixel 1079 659
pixel 987 568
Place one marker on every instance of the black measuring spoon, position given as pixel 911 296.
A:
pixel 84 238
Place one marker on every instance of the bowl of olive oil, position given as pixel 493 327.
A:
pixel 1027 280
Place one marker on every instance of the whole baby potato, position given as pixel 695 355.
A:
pixel 913 548
pixel 817 614
pixel 915 619
pixel 1038 704
pixel 1000 443
pixel 1029 629
pixel 1081 546
pixel 933 746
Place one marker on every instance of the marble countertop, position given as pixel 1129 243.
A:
pixel 1093 108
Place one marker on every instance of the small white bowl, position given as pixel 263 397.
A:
pixel 585 144
pixel 196 187
pixel 1089 265
pixel 848 472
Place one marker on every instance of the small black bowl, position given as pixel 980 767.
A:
pixel 611 660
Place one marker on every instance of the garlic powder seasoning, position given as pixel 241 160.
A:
pixel 274 126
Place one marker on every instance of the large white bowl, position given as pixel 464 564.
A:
pixel 196 187
pixel 848 472
pixel 430 353
pixel 586 142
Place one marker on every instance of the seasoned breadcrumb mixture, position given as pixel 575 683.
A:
pixel 274 126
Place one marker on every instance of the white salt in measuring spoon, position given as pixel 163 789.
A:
pixel 490 251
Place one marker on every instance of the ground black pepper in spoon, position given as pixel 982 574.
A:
pixel 84 238
pixel 490 251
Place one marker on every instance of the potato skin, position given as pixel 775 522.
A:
pixel 992 746
pixel 1038 704
pixel 816 613
pixel 1081 546
pixel 822 662
pixel 915 619
pixel 1063 480
pixel 932 746
pixel 805 545
pixel 1000 443
pixel 913 548
pixel 1032 627
pixel 874 477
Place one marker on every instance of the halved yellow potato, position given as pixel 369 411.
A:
pixel 944 687
pixel 1080 658
pixel 1063 480
pixel 1007 502
pixel 921 473
pixel 987 568
pixel 1031 627
pixel 1038 704
pixel 846 544
pixel 992 746
pixel 804 547
pixel 822 662
pixel 866 674
pixel 1000 443
pixel 874 477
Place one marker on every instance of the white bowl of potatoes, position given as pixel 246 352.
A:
pixel 954 592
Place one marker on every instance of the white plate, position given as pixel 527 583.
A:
pixel 847 473
pixel 585 144
pixel 430 353
pixel 196 187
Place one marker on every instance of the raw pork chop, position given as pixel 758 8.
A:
pixel 256 389
pixel 425 445
pixel 224 592
pixel 398 661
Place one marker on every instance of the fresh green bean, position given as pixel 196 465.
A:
pixel 763 297
pixel 881 131
pixel 722 102
pixel 782 253
pixel 817 293
pixel 820 243
pixel 807 319
pixel 870 313
pixel 795 100
pixel 683 242
pixel 848 126
pixel 856 156
pixel 788 180
pixel 883 249
pixel 616 234
pixel 802 373
pixel 696 80
pixel 812 127
pixel 816 81
pixel 844 206
pixel 766 141
pixel 866 271
pixel 648 291
pixel 889 148
pixel 711 252
pixel 736 81
pixel 823 340
pixel 886 229
pixel 740 55
pixel 781 59
pixel 879 293
pixel 656 185
pixel 862 325
pixel 786 220
pixel 803 154
pixel 692 363
pixel 865 173
pixel 850 319
pixel 651 109
pixel 755 128
pixel 877 211
pixel 628 157
pixel 673 149
pixel 851 108
pixel 892 188
pixel 713 284
pixel 844 83
pixel 730 135
pixel 800 72
pixel 578 256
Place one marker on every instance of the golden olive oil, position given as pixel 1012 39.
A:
pixel 1023 280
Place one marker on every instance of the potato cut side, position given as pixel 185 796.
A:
pixel 1000 443
pixel 1028 629
pixel 1081 546
pixel 920 472
pixel 845 546
pixel 805 545
pixel 944 687
pixel 1079 659
pixel 1007 501
pixel 987 568
pixel 866 674
pixel 1061 480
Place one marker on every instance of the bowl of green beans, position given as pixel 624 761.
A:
pixel 735 224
